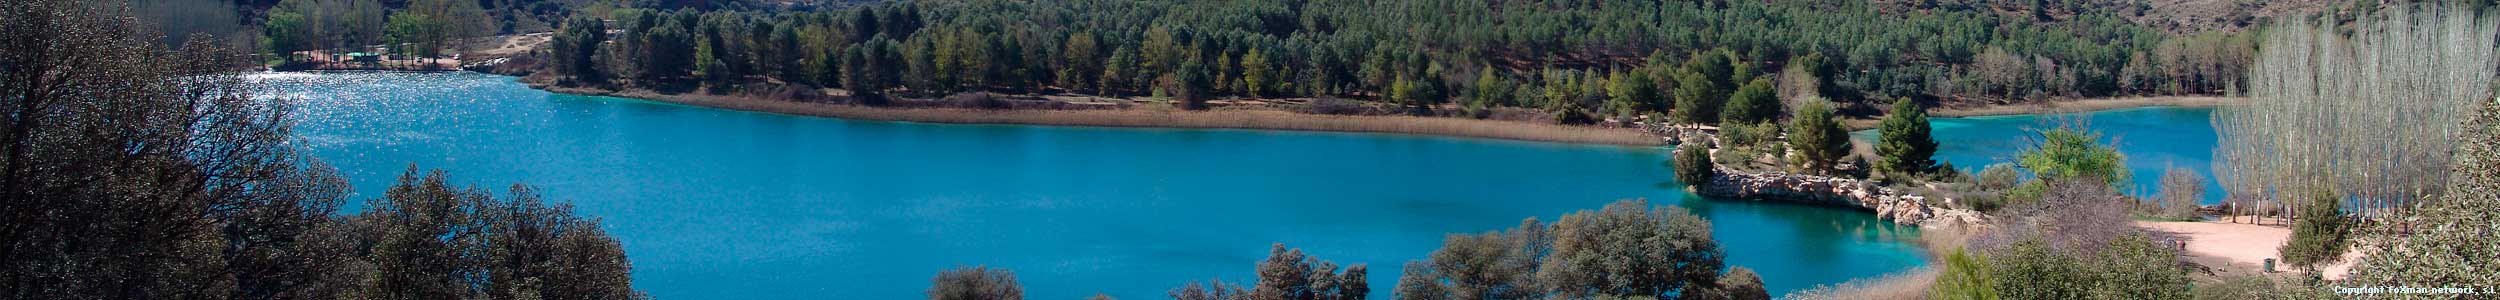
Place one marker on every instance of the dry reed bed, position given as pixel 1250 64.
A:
pixel 1218 119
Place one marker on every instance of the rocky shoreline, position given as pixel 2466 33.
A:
pixel 1900 207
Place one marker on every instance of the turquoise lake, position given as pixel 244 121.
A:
pixel 717 204
pixel 2152 138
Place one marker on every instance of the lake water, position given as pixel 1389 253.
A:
pixel 717 204
pixel 2152 138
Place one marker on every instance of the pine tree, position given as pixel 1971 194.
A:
pixel 1692 164
pixel 1756 102
pixel 1906 146
pixel 1817 136
pixel 1631 93
pixel 1696 99
pixel 1119 73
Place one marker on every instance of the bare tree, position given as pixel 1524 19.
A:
pixel 2372 113
pixel 2180 190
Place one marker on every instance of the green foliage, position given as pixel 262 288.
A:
pixel 1692 164
pixel 1631 249
pixel 1359 49
pixel 1753 103
pixel 2068 154
pixel 1632 93
pixel 2130 266
pixel 1750 135
pixel 286 31
pixel 2262 287
pixel 1696 98
pixel 1118 74
pixel 2073 153
pixel 1906 145
pixel 1965 276
pixel 574 45
pixel 2133 266
pixel 2319 235
pixel 1190 84
pixel 976 283
pixel 2031 270
pixel 1626 250
pixel 1987 190
pixel 1815 134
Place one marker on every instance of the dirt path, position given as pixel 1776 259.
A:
pixel 2240 248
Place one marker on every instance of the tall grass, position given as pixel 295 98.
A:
pixel 1912 284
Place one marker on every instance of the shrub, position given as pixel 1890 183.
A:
pixel 1626 250
pixel 1288 274
pixel 1965 277
pixel 1750 135
pixel 1631 249
pixel 2079 216
pixel 2135 267
pixel 1986 191
pixel 1492 265
pixel 1997 177
pixel 2259 287
pixel 2318 237
pixel 979 100
pixel 1573 116
pixel 1693 166
pixel 2031 269
pixel 976 283
pixel 1739 284
pixel 1212 290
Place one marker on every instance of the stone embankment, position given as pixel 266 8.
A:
pixel 1898 206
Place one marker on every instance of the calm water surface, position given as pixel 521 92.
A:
pixel 716 204
pixel 2152 138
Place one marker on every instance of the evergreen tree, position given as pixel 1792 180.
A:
pixel 574 45
pixel 1079 65
pixel 1906 146
pixel 1631 93
pixel 2319 236
pixel 1257 75
pixel 1191 85
pixel 1692 164
pixel 1696 99
pixel 1816 135
pixel 1756 102
pixel 1118 74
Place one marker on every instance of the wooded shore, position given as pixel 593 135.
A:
pixel 1245 118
